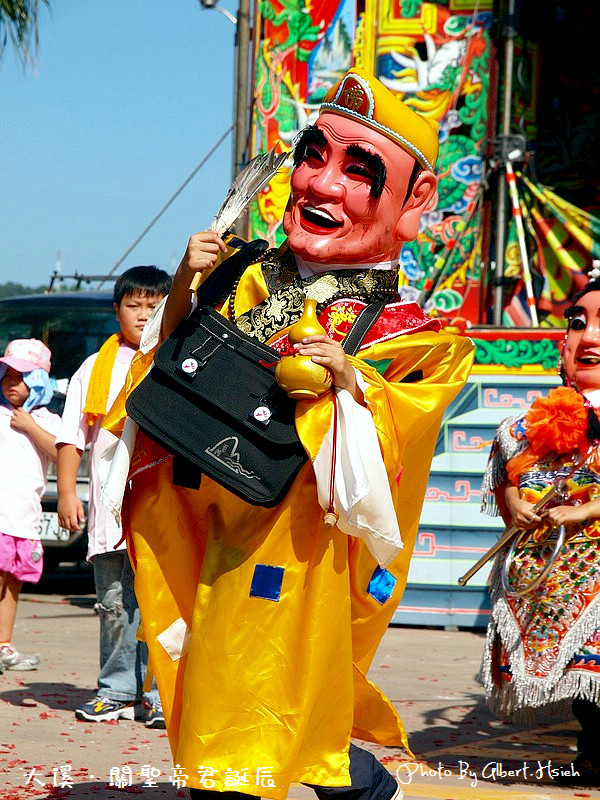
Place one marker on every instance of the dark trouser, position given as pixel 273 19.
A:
pixel 588 716
pixel 369 781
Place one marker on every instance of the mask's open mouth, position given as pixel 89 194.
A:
pixel 589 361
pixel 319 218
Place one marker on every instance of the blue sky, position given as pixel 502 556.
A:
pixel 126 98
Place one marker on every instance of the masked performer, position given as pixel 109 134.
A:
pixel 543 643
pixel 262 622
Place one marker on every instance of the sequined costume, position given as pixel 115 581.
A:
pixel 544 647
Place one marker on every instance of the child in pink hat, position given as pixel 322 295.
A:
pixel 27 433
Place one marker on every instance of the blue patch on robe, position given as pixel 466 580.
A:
pixel 266 582
pixel 381 585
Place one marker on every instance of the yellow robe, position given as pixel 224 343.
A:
pixel 257 692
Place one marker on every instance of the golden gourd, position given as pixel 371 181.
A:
pixel 298 375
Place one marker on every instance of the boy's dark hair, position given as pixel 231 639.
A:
pixel 145 280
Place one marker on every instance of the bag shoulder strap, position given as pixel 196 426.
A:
pixel 219 283
pixel 361 326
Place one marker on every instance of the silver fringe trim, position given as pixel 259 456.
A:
pixel 493 477
pixel 504 448
pixel 524 692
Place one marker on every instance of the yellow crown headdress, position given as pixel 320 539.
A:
pixel 362 97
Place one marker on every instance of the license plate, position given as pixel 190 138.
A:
pixel 50 530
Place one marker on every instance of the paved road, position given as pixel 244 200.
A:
pixel 461 752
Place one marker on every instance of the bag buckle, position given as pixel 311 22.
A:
pixel 189 367
pixel 260 416
pixel 197 358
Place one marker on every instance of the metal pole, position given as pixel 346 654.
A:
pixel 509 53
pixel 241 86
pixel 240 118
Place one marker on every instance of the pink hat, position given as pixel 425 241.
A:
pixel 25 355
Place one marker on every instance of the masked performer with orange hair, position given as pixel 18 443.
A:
pixel 262 622
pixel 543 642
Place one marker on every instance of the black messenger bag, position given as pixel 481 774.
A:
pixel 211 399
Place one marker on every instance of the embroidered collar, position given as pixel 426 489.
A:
pixel 287 291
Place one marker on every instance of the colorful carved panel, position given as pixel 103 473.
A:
pixel 532 352
pixel 435 57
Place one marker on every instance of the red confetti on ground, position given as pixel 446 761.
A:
pixel 581 794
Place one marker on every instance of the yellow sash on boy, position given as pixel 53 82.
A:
pixel 97 394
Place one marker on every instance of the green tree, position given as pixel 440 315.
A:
pixel 10 289
pixel 19 25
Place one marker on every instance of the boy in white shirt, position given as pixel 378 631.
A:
pixel 27 431
pixel 92 391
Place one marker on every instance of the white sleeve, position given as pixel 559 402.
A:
pixel 74 428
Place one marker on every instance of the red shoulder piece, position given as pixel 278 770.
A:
pixel 397 319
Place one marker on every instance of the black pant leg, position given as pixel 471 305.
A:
pixel 370 780
pixel 588 716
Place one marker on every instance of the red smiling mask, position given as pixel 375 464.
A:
pixel 334 216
